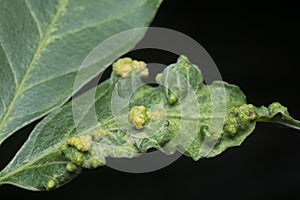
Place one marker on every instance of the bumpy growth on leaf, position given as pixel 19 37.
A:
pixel 138 116
pixel 50 185
pixel 82 143
pixel 125 66
pixel 182 114
pixel 238 118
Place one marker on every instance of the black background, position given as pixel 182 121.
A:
pixel 255 46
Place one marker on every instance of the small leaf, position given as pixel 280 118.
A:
pixel 43 43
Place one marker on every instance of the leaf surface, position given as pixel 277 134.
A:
pixel 198 125
pixel 43 43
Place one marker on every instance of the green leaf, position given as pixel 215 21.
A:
pixel 28 169
pixel 277 114
pixel 43 43
pixel 204 122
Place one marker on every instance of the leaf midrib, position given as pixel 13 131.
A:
pixel 25 166
pixel 43 42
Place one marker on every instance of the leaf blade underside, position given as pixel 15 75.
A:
pixel 43 43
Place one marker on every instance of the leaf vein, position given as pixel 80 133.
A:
pixel 50 79
pixel 25 166
pixel 48 164
pixel 39 50
pixel 115 17
pixel 10 65
pixel 33 17
pixel 3 102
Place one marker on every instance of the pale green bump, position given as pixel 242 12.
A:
pixel 276 107
pixel 94 162
pixel 158 77
pixel 234 111
pixel 141 67
pixel 99 134
pixel 97 163
pixel 104 132
pixel 183 60
pixel 63 147
pixel 231 126
pixel 204 131
pixel 78 158
pixel 73 155
pixel 124 66
pixel 144 73
pixel 172 99
pixel 82 143
pixel 138 116
pixel 238 118
pixel 246 113
pixel 51 184
pixel 71 167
